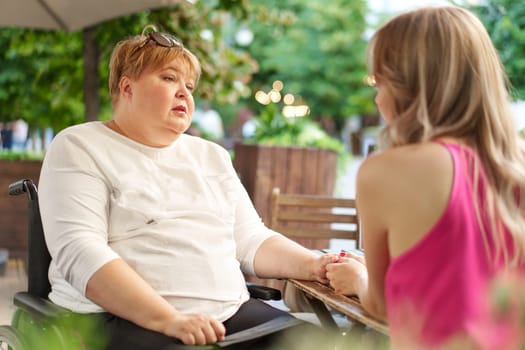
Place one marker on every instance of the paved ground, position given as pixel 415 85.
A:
pixel 14 279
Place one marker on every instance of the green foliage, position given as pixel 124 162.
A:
pixel 316 48
pixel 272 128
pixel 67 331
pixel 354 338
pixel 505 22
pixel 15 155
pixel 41 79
pixel 319 54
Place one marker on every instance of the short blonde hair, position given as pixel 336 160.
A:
pixel 132 56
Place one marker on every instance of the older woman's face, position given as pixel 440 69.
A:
pixel 162 101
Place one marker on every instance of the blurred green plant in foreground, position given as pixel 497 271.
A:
pixel 354 338
pixel 73 331
pixel 66 331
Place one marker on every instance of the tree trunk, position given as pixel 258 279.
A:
pixel 91 76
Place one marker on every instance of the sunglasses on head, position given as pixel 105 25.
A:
pixel 161 39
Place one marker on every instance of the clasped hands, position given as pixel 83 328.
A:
pixel 345 274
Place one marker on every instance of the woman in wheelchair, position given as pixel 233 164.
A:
pixel 149 228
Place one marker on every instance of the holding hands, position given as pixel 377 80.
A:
pixel 319 267
pixel 348 274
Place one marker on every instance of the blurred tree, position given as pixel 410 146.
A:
pixel 316 48
pixel 319 55
pixel 42 71
pixel 40 77
pixel 505 22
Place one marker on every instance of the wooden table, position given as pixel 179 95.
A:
pixel 320 296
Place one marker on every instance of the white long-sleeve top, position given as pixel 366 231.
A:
pixel 178 215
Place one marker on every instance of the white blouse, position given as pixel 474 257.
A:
pixel 179 216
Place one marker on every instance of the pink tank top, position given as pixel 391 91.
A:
pixel 438 291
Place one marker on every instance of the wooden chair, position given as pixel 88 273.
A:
pixel 312 220
pixel 300 216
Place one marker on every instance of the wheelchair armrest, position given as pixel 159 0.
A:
pixel 38 307
pixel 263 292
pixel 43 308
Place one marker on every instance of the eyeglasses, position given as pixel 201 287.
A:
pixel 161 39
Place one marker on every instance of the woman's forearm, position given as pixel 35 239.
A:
pixel 372 305
pixel 118 289
pixel 280 257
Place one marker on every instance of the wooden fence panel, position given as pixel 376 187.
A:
pixel 13 210
pixel 297 170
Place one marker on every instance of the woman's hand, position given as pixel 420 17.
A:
pixel 319 267
pixel 348 276
pixel 195 329
pixel 153 312
pixel 359 258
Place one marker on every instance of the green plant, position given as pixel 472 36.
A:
pixel 70 331
pixel 505 22
pixel 17 155
pixel 319 53
pixel 272 128
pixel 41 80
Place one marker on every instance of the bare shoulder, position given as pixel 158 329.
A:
pixel 407 160
pixel 403 191
pixel 407 168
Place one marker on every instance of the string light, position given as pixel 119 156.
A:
pixel 274 96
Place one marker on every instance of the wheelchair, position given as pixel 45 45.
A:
pixel 40 324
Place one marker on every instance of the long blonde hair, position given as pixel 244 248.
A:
pixel 446 79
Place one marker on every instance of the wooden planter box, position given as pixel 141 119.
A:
pixel 297 170
pixel 13 209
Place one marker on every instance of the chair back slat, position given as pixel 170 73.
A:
pixel 304 200
pixel 314 216
pixel 317 233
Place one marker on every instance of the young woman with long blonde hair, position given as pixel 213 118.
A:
pixel 441 207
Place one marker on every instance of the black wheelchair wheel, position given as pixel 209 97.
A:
pixel 9 339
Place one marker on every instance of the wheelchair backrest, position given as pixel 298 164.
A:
pixel 38 257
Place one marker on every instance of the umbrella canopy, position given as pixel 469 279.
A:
pixel 71 15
